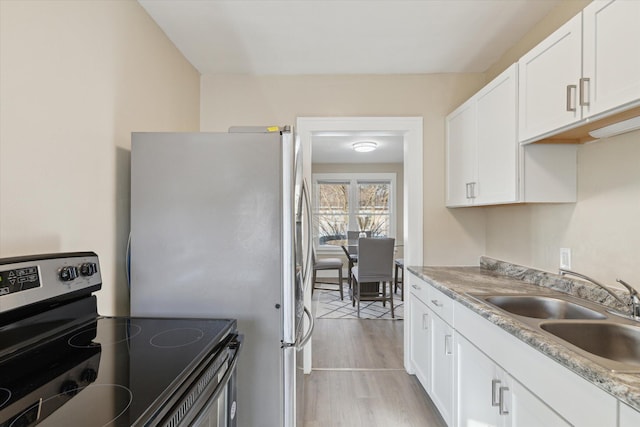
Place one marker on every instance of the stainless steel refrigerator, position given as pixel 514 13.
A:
pixel 217 224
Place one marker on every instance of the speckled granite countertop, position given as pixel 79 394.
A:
pixel 500 277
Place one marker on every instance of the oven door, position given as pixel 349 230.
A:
pixel 219 410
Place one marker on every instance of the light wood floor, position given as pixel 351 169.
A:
pixel 358 378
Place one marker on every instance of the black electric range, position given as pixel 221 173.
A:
pixel 61 364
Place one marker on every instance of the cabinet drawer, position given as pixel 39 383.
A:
pixel 419 288
pixel 441 304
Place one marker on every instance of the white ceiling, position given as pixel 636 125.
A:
pixel 345 36
pixel 288 37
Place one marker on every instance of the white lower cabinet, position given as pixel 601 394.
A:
pixel 476 387
pixel 442 367
pixel 628 417
pixel 432 344
pixel 479 375
pixel 420 341
pixel 486 396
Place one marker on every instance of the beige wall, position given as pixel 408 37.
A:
pixel 450 236
pixel 565 10
pixel 602 228
pixel 396 168
pixel 76 77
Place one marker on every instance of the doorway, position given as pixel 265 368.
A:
pixel 410 128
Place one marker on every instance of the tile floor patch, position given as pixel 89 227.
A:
pixel 330 306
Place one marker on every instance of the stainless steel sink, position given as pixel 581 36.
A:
pixel 615 342
pixel 584 327
pixel 542 307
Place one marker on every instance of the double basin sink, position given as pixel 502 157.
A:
pixel 589 329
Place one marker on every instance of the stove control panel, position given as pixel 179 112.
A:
pixel 19 279
pixel 32 279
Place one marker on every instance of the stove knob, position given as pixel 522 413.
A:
pixel 89 375
pixel 69 387
pixel 88 269
pixel 69 273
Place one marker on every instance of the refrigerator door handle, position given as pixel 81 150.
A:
pixel 312 325
pixel 307 263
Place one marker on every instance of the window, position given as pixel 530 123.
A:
pixel 362 202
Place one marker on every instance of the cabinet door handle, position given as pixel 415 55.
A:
pixel 436 303
pixel 571 104
pixel 425 321
pixel 415 287
pixel 467 190
pixel 502 409
pixel 495 400
pixel 584 89
pixel 447 345
pixel 473 190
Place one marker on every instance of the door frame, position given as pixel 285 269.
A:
pixel 412 130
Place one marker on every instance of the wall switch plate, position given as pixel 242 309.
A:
pixel 565 258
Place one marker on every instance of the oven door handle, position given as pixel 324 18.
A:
pixel 235 344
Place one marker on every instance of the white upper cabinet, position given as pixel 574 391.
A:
pixel 549 75
pixel 585 71
pixel 497 135
pixel 482 146
pixel 461 154
pixel 611 55
pixel 485 163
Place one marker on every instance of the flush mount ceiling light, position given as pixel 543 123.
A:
pixel 364 146
pixel 617 128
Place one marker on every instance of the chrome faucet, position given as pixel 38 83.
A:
pixel 633 304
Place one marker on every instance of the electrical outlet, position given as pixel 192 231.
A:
pixel 565 258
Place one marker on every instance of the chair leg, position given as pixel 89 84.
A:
pixel 340 283
pixel 402 287
pixel 356 287
pixel 353 291
pixel 395 279
pixel 391 300
pixel 384 292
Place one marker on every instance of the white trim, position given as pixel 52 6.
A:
pixel 411 129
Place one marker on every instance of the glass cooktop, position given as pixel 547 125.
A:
pixel 105 371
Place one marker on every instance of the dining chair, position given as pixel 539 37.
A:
pixel 326 264
pixel 373 272
pixel 398 277
pixel 351 250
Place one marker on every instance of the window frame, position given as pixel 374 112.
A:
pixel 353 179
